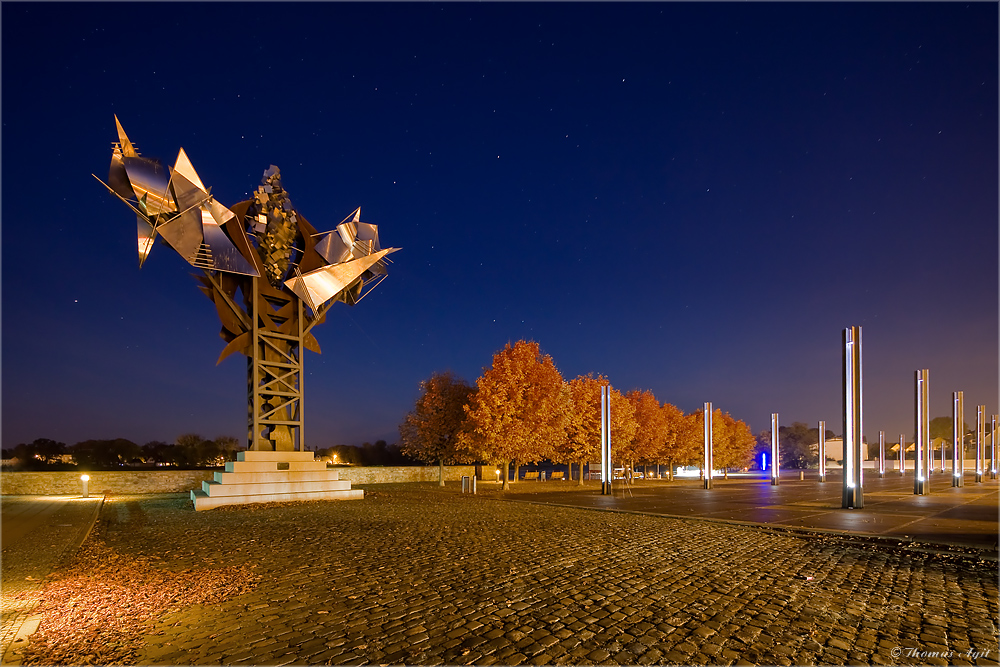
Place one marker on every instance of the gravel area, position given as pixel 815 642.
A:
pixel 416 574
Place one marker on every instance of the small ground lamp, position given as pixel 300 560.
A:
pixel 85 479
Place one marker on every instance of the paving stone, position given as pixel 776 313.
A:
pixel 709 592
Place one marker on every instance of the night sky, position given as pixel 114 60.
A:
pixel 689 198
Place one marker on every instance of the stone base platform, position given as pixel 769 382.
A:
pixel 267 477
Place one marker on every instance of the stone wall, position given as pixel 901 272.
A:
pixel 115 482
pixel 181 481
pixel 387 474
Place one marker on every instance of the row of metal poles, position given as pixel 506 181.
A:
pixel 853 480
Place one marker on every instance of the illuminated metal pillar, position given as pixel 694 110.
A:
pixel 957 439
pixel 980 442
pixel 881 454
pixel 604 451
pixel 853 489
pixel 775 472
pixel 993 446
pixel 606 471
pixel 822 451
pixel 902 454
pixel 922 429
pixel 942 454
pixel 708 446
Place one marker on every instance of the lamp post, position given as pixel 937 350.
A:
pixel 980 442
pixel 822 451
pixel 881 454
pixel 708 446
pixel 902 454
pixel 957 439
pixel 853 485
pixel 606 440
pixel 85 479
pixel 922 428
pixel 993 447
pixel 775 472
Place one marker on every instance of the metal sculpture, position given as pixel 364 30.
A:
pixel 957 439
pixel 271 276
pixel 852 496
pixel 924 455
pixel 709 462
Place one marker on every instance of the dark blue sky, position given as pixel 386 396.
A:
pixel 689 198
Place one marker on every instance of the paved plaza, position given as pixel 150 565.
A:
pixel 417 574
pixel 963 516
pixel 37 533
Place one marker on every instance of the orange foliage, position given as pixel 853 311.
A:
pixel 520 409
pixel 430 432
pixel 652 428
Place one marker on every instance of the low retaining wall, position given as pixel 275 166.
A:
pixel 387 474
pixel 115 481
pixel 66 483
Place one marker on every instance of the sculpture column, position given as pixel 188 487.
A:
pixel 708 446
pixel 957 439
pixel 853 485
pixel 993 447
pixel 606 470
pixel 922 429
pixel 821 446
pixel 775 471
pixel 980 442
pixel 881 454
pixel 902 454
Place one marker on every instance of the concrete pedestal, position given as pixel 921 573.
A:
pixel 267 477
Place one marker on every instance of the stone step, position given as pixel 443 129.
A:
pixel 202 501
pixel 215 489
pixel 272 466
pixel 280 476
pixel 251 455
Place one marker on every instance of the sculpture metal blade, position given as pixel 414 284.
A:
pixel 270 274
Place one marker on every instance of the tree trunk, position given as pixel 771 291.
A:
pixel 580 463
pixel 725 473
pixel 506 475
pixel 670 470
pixel 440 472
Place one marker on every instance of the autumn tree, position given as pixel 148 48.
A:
pixel 688 445
pixel 675 445
pixel 519 410
pixel 430 432
pixel 732 442
pixel 583 427
pixel 651 426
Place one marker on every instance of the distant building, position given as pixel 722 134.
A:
pixel 835 450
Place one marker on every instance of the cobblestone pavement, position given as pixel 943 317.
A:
pixel 418 575
pixel 37 532
pixel 964 516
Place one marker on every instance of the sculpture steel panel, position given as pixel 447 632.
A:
pixel 271 276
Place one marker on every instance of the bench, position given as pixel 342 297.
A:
pixel 530 475
pixel 557 475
